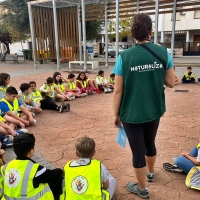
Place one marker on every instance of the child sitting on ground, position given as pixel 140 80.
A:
pixel 188 76
pixel 23 178
pixel 60 87
pixel 102 83
pixel 12 107
pixel 2 156
pixel 26 98
pixel 83 85
pixel 47 103
pixel 112 81
pixel 72 89
pixel 87 178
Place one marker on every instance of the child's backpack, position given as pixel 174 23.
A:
pixel 193 178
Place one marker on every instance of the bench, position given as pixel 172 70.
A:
pixel 9 57
pixel 94 64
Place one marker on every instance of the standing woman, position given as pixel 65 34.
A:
pixel 4 82
pixel 139 109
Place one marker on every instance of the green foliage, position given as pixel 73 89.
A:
pixel 124 27
pixel 93 30
pixel 15 18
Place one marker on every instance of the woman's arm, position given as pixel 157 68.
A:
pixel 170 78
pixel 117 97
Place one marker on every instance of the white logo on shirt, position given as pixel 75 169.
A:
pixel 12 178
pixel 147 67
pixel 79 184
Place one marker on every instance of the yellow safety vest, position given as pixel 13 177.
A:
pixel 101 79
pixel 186 75
pixel 46 87
pixel 3 89
pixel 198 146
pixel 18 182
pixel 15 108
pixel 27 101
pixel 71 85
pixel 84 182
pixel 61 87
pixel 111 81
pixel 36 96
pixel 1 186
pixel 1 118
pixel 83 83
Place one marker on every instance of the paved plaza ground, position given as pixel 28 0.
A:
pixel 56 133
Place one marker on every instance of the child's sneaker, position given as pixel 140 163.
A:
pixel 84 94
pixel 150 176
pixel 72 98
pixel 7 143
pixel 134 188
pixel 67 107
pixel 61 107
pixel 106 90
pixel 33 122
pixel 172 168
pixel 33 114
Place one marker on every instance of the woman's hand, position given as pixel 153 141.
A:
pixel 117 121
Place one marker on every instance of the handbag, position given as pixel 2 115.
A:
pixel 121 137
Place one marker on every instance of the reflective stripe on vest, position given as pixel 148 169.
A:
pixel 101 79
pixel 24 184
pixel 3 89
pixel 36 95
pixel 83 83
pixel 46 87
pixel 1 118
pixel 84 182
pixel 72 85
pixel 15 108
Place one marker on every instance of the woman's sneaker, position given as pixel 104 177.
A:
pixel 134 188
pixel 150 176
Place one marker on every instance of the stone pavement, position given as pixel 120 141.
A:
pixel 56 133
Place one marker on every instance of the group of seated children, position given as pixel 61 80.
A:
pixel 83 178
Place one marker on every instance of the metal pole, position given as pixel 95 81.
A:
pixel 106 35
pixel 138 6
pixel 173 29
pixel 156 23
pixel 56 35
pixel 84 35
pixel 117 28
pixel 79 32
pixel 32 35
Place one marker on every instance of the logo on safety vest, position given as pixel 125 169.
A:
pixel 79 184
pixel 12 178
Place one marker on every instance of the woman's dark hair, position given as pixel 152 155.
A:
pixel 23 143
pixel 71 76
pixel 3 78
pixel 79 78
pixel 54 78
pixel 141 26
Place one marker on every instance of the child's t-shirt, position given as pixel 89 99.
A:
pixel 4 107
pixel 105 175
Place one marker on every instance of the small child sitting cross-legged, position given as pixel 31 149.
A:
pixel 87 178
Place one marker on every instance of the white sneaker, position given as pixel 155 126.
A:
pixel 72 98
pixel 33 122
pixel 106 90
pixel 33 114
pixel 84 94
pixel 110 90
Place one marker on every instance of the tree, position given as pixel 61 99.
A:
pixel 15 18
pixel 93 30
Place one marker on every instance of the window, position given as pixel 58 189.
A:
pixel 196 14
pixel 177 16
